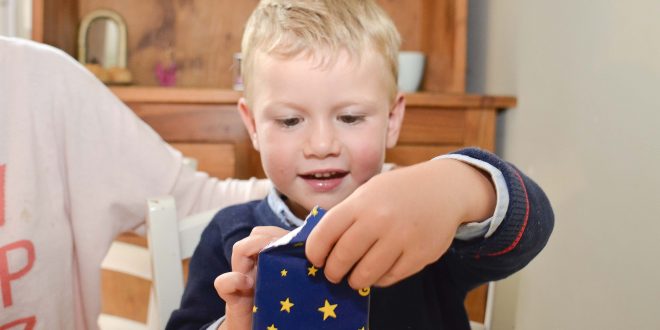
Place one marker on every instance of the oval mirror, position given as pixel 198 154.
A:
pixel 102 46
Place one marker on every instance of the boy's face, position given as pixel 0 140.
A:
pixel 321 130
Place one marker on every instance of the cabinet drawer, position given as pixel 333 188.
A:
pixel 216 159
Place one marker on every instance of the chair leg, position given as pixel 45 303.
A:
pixel 152 315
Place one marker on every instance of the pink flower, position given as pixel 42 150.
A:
pixel 166 75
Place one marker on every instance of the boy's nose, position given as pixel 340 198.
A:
pixel 322 142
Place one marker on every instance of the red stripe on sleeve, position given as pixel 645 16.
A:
pixel 522 229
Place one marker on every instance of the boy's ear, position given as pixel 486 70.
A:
pixel 395 120
pixel 248 121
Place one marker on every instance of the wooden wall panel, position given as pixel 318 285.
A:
pixel 439 29
pixel 201 36
pixel 408 16
pixel 445 42
pixel 56 23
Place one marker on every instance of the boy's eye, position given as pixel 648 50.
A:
pixel 350 119
pixel 289 122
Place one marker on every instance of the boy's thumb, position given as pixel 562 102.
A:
pixel 232 284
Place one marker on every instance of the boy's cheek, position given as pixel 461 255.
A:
pixel 368 161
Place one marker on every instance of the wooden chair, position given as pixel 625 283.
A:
pixel 170 242
pixel 486 325
pixel 133 260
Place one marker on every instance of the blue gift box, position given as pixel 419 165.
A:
pixel 291 293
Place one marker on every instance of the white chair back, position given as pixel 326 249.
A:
pixel 170 242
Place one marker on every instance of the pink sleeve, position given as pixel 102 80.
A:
pixel 115 162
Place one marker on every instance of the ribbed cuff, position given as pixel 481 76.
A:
pixel 487 227
pixel 510 230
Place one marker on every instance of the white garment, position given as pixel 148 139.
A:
pixel 78 166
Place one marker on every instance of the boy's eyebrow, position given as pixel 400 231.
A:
pixel 338 106
pixel 283 104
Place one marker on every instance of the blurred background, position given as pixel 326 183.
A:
pixel 16 18
pixel 587 128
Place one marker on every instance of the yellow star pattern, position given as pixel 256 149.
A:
pixel 283 272
pixel 315 211
pixel 286 305
pixel 311 271
pixel 361 328
pixel 254 309
pixel 328 310
pixel 271 327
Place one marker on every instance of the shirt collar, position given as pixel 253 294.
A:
pixel 276 203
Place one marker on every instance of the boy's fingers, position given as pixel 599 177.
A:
pixel 375 264
pixel 245 251
pixel 352 245
pixel 273 231
pixel 231 285
pixel 326 233
pixel 404 267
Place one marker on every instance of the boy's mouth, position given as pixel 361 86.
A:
pixel 324 181
pixel 324 175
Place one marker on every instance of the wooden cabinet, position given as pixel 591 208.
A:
pixel 199 116
pixel 201 36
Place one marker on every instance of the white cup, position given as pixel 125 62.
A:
pixel 411 70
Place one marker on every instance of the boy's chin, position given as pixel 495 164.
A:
pixel 302 210
pixel 325 203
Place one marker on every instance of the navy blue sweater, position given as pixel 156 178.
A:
pixel 430 299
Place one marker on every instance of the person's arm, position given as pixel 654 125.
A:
pixel 110 154
pixel 520 236
pixel 401 221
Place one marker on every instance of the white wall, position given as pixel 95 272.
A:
pixel 587 128
pixel 5 19
pixel 16 18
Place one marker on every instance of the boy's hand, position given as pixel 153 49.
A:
pixel 236 288
pixel 398 222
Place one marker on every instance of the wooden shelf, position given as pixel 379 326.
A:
pixel 225 96
pixel 201 36
pixel 176 95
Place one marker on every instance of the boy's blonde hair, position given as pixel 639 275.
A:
pixel 320 29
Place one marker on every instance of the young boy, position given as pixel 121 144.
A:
pixel 321 107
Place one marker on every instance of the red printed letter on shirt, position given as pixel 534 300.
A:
pixel 6 275
pixel 28 322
